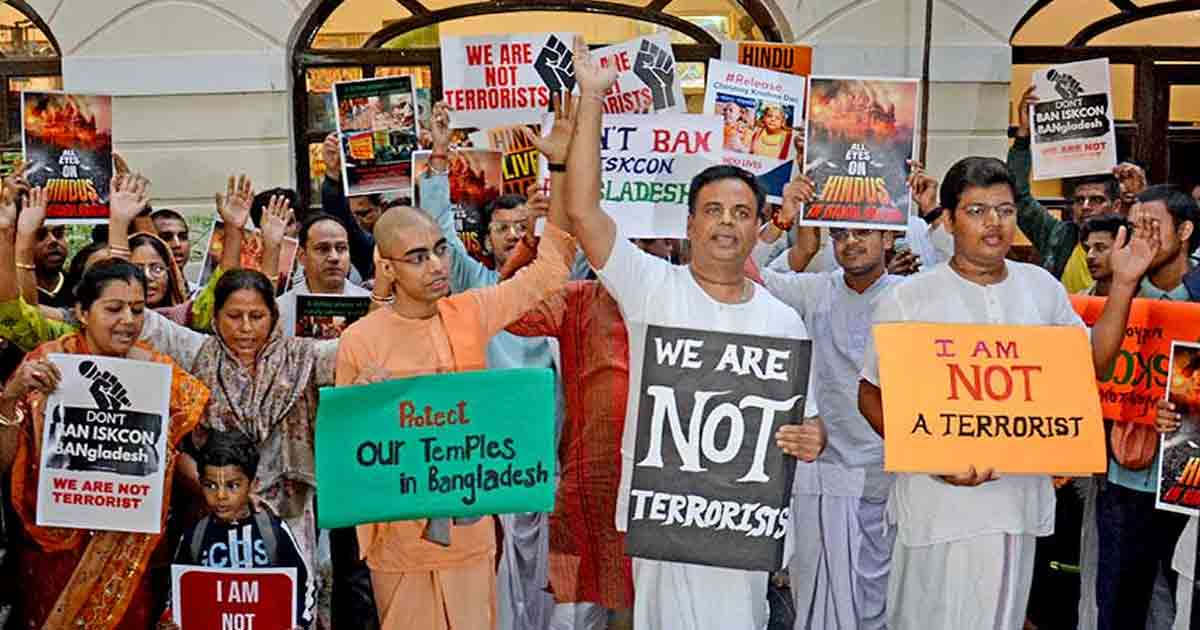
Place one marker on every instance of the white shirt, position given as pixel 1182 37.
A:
pixel 651 291
pixel 927 510
pixel 839 320
pixel 287 302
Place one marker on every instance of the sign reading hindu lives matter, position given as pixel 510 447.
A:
pixel 519 165
pixel 789 58
pixel 646 78
pixel 494 80
pixel 377 122
pixel 760 111
pixel 1131 389
pixel 709 485
pixel 1072 123
pixel 646 165
pixel 859 141
pixel 204 598
pixel 445 445
pixel 67 141
pixel 104 445
pixel 476 178
pixel 1179 463
pixel 324 316
pixel 1019 399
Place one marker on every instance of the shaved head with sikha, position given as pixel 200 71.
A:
pixel 393 226
pixel 414 258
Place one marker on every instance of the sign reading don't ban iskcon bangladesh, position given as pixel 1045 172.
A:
pixel 462 444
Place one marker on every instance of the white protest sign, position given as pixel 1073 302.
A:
pixel 104 450
pixel 495 80
pixel 646 78
pixel 647 163
pixel 1072 125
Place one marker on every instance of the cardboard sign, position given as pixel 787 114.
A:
pixel 205 598
pixel 476 178
pixel 790 58
pixel 859 141
pixel 377 123
pixel 495 80
pixel 1137 380
pixel 646 81
pixel 760 112
pixel 647 164
pixel 325 316
pixel 104 450
pixel 461 444
pixel 1072 125
pixel 1179 463
pixel 1020 399
pixel 709 485
pixel 67 142
pixel 251 254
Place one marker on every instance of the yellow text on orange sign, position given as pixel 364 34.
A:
pixel 1019 399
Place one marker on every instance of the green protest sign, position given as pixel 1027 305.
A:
pixel 461 444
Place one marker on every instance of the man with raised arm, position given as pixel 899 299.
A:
pixel 711 293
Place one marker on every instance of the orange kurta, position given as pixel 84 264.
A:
pixel 453 341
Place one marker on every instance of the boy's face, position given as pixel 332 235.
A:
pixel 226 491
pixel 1098 247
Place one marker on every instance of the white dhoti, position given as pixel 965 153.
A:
pixel 676 596
pixel 523 601
pixel 980 583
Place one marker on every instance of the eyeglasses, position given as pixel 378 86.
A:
pixel 420 258
pixel 841 234
pixel 1003 211
pixel 157 270
pixel 517 227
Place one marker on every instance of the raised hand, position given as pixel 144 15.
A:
pixel 129 197
pixel 439 129
pixel 593 80
pixel 120 166
pixel 656 68
pixel 796 193
pixel 555 145
pixel 276 217
pixel 234 206
pixel 538 201
pixel 1133 256
pixel 553 65
pixel 331 155
pixel 1027 101
pixel 34 213
pixel 924 188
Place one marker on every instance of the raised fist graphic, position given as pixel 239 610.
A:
pixel 554 66
pixel 656 68
pixel 106 390
pixel 1066 85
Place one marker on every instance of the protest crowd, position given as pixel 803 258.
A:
pixel 700 385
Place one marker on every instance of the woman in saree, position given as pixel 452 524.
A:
pixel 78 577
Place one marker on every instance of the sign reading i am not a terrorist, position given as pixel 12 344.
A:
pixel 205 598
pixel 443 445
pixel 1019 399
pixel 709 485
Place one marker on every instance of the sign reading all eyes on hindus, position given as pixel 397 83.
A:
pixel 443 445
pixel 1019 399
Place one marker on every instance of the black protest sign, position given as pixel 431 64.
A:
pixel 709 485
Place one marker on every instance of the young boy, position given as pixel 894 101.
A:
pixel 235 534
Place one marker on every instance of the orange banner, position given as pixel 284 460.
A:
pixel 1020 399
pixel 1138 378
pixel 790 58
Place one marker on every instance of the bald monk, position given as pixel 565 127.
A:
pixel 431 574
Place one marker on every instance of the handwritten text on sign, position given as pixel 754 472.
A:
pixel 1020 399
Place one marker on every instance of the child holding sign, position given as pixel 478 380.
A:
pixel 235 534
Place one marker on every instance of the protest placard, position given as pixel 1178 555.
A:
pixel 67 142
pixel 495 80
pixel 104 447
pixel 1072 123
pixel 760 111
pixel 204 598
pixel 646 166
pixel 1179 461
pixel 460 444
pixel 707 483
pixel 519 167
pixel 1137 380
pixel 377 124
pixel 789 58
pixel 646 79
pixel 857 147
pixel 251 254
pixel 325 316
pixel 1019 399
pixel 476 179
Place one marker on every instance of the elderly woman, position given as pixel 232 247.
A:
pixel 66 571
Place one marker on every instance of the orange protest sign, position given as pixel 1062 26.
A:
pixel 1020 399
pixel 1138 378
pixel 790 58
